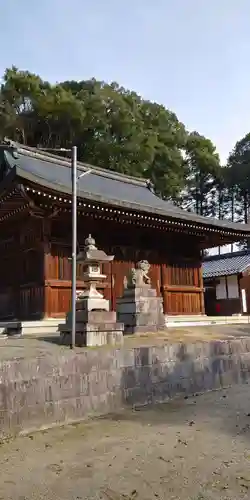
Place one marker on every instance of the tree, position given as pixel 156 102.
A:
pixel 113 128
pixel 238 174
pixel 203 175
pixel 18 99
pixel 165 138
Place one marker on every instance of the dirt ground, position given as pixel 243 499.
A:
pixel 30 346
pixel 197 448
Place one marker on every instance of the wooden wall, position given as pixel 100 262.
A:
pixel 182 295
pixel 177 277
pixel 22 269
pixel 35 270
pixel 182 288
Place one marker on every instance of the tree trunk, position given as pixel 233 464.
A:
pixel 232 212
pixel 201 195
pixel 196 195
pixel 245 197
pixel 220 211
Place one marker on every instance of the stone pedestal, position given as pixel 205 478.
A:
pixel 93 328
pixel 140 309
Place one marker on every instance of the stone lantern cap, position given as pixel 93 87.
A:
pixel 91 254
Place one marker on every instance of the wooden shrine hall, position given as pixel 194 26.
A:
pixel 124 216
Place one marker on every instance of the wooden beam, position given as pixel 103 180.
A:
pixel 182 289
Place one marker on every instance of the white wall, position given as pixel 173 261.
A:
pixel 221 290
pixel 232 287
pixel 227 288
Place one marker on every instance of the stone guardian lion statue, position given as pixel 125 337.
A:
pixel 138 276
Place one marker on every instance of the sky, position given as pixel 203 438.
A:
pixel 193 56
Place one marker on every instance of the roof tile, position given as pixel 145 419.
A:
pixel 104 186
pixel 226 265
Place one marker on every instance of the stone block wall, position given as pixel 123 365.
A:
pixel 52 390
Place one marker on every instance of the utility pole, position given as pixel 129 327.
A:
pixel 74 244
pixel 75 180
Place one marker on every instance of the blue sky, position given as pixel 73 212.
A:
pixel 193 56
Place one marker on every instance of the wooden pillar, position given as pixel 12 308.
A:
pixel 201 284
pixel 164 283
pixel 107 270
pixel 46 246
pixel 15 273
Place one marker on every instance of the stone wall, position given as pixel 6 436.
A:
pixel 52 390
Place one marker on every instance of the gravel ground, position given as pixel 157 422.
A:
pixel 197 448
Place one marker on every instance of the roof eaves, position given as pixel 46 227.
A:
pixel 198 222
pixel 243 268
pixel 171 210
pixel 124 204
pixel 217 273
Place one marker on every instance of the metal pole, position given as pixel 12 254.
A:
pixel 74 244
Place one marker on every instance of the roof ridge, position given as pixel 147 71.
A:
pixel 44 155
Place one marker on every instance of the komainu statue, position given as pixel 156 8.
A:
pixel 138 276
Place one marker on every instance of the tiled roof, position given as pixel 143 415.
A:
pixel 105 186
pixel 228 264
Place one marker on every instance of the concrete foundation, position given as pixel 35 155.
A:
pixel 203 320
pixel 51 326
pixel 34 328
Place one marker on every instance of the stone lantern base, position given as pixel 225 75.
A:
pixel 93 328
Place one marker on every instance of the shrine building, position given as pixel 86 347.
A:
pixel 124 216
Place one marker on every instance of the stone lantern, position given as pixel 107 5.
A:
pixel 92 258
pixel 95 323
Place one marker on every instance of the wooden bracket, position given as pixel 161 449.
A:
pixel 42 213
pixel 39 212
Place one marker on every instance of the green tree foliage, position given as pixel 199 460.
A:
pixel 113 128
pixel 238 175
pixel 203 175
pixel 237 182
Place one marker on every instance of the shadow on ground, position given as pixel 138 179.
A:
pixel 159 393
